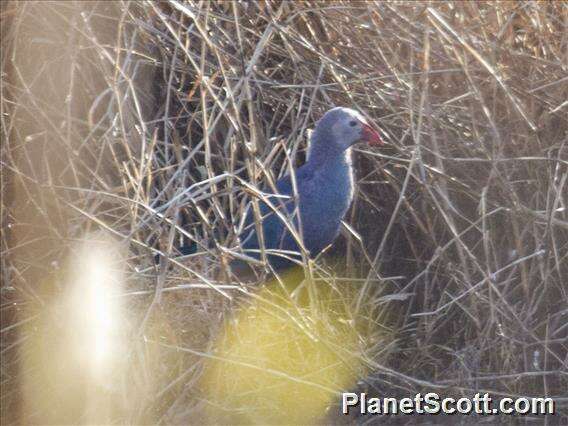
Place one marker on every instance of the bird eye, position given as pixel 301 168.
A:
pixel 352 123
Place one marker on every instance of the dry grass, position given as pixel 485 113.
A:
pixel 160 123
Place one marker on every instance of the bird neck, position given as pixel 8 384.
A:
pixel 333 162
pixel 323 154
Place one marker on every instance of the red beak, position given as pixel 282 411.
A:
pixel 371 136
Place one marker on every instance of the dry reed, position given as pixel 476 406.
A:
pixel 160 123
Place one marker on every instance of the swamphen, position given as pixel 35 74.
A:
pixel 324 190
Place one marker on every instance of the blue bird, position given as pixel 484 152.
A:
pixel 324 191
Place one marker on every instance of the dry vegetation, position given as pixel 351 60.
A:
pixel 159 122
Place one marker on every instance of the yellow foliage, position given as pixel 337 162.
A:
pixel 285 357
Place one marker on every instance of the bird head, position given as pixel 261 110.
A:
pixel 340 128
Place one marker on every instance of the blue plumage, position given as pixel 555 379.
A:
pixel 324 192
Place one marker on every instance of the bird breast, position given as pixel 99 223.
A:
pixel 324 207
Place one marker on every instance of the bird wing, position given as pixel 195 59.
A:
pixel 304 177
pixel 275 232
